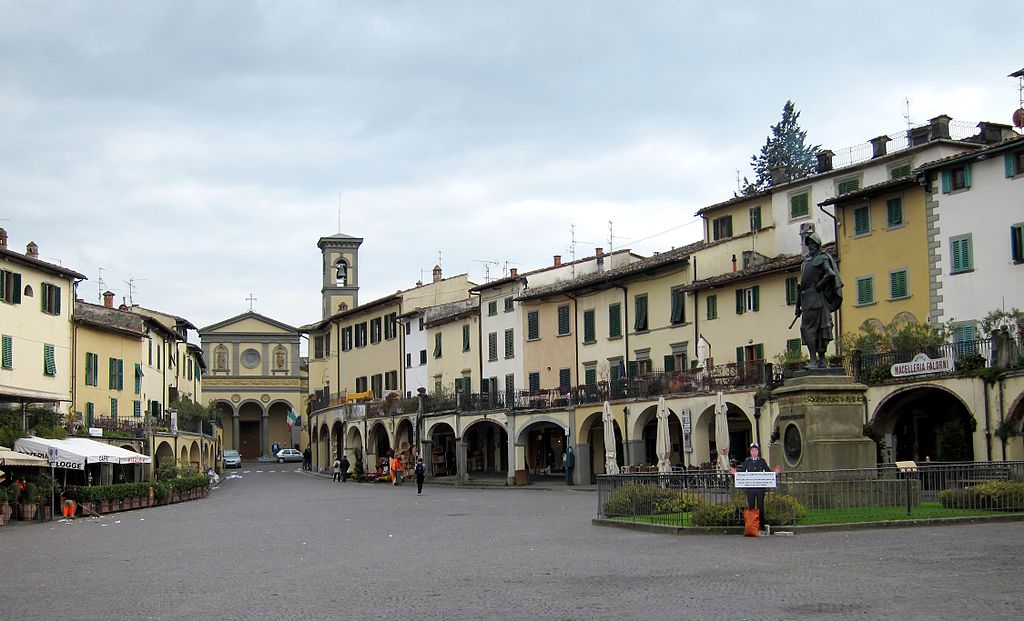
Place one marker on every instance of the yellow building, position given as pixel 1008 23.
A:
pixel 254 380
pixel 108 392
pixel 453 340
pixel 883 254
pixel 36 304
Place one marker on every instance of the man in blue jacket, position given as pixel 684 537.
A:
pixel 755 495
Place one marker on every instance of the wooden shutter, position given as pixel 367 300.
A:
pixel 670 363
pixel 793 345
pixel 137 409
pixel 865 291
pixel 861 221
pixel 563 320
pixel 8 353
pixel 898 284
pixel 967 176
pixel 112 374
pixel 757 297
pixel 712 304
pixel 640 323
pixel 589 332
pixel 1010 164
pixel 49 362
pixel 739 302
pixel 533 324
pixel 590 376
pixel 465 337
pixel 947 182
pixel 759 351
pixel 614 321
pixel 492 345
pixel 791 290
pixel 564 378
pixel 16 293
pixel 437 345
pixel 894 211
pixel 509 344
pixel 678 306
pixel 632 369
pixel 739 355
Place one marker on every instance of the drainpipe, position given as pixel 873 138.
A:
pixel 625 361
pixel 576 333
pixel 988 422
pixel 696 315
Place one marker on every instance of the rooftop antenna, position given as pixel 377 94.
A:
pixel 487 267
pixel 739 184
pixel 132 288
pixel 1018 115
pixel 339 213
pixel 100 285
pixel 906 112
pixel 251 299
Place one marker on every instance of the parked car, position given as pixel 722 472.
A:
pixel 288 455
pixel 232 459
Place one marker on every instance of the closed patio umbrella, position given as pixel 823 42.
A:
pixel 663 444
pixel 722 432
pixel 611 463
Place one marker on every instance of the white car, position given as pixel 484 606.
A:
pixel 288 455
pixel 232 459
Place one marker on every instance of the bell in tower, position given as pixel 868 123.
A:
pixel 340 289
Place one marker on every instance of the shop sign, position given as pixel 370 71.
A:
pixel 922 365
pixel 755 479
pixel 96 432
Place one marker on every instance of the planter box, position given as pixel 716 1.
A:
pixel 27 510
pixel 45 513
pixel 5 511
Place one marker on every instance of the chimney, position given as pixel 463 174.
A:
pixel 3 239
pixel 513 273
pixel 938 128
pixel 733 264
pixel 878 146
pixel 108 299
pixel 779 174
pixel 992 133
pixel 824 160
pixel 32 250
pixel 558 260
pixel 917 135
pixel 437 273
pixel 599 252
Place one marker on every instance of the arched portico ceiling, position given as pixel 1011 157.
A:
pixel 533 422
pixel 892 405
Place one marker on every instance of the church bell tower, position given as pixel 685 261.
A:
pixel 340 272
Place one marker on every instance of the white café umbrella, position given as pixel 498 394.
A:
pixel 611 463
pixel 663 443
pixel 722 432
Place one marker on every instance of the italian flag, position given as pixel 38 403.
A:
pixel 292 418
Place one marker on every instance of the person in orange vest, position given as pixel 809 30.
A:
pixel 396 470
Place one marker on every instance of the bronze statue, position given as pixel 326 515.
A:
pixel 819 294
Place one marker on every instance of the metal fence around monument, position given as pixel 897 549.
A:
pixel 886 493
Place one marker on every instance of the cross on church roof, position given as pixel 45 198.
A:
pixel 251 300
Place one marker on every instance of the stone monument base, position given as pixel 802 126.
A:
pixel 821 424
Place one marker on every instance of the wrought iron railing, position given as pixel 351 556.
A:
pixel 966 356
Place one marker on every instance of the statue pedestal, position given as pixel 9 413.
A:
pixel 821 423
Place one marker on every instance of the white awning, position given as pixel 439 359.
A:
pixel 76 453
pixel 123 455
pixel 13 458
pixel 32 396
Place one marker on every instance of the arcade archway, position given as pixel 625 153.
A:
pixel 486 448
pixel 926 423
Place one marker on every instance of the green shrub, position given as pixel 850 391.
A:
pixel 725 514
pixel 649 499
pixel 3 494
pixel 997 495
pixel 160 491
pixel 31 493
pixel 780 509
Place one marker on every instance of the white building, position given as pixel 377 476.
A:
pixel 415 363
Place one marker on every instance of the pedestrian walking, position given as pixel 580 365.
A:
pixel 396 470
pixel 344 468
pixel 307 459
pixel 421 472
pixel 336 467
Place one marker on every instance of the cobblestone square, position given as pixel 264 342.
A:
pixel 277 543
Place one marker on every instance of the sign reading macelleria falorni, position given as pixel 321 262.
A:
pixel 922 365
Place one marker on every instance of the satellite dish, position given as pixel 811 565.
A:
pixel 1018 118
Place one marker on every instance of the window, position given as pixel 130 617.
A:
pixel 897 284
pixel 721 227
pixel 149 358
pixel 894 212
pixel 614 321
pixel 50 299
pixel 590 376
pixel 791 291
pixel 748 300
pixel 712 307
pixel 961 253
pixel 492 308
pixel 391 380
pixel 678 314
pixel 137 409
pixel 564 379
pixel 159 357
pixel 421 324
pixel 534 380
pixel 408 361
pixel 563 320
pixel 360 334
pixel 510 386
pixel 956 178
pixel 799 205
pixel 532 325
pixel 92 363
pixel 1014 163
pixel 1017 243
pixel 640 303
pixel 408 328
pixel 964 336
pixel 138 377
pixel 848 185
pixel 510 351
pixel 861 221
pixel 865 290
pixel 10 287
pixel 901 170
pixel 361 384
pixel 115 378
pixel 589 330
pixel 346 338
pixel 492 346
pixel 377 385
pixel 375 331
pixel 90 413
pixel 318 347
pixel 755 218
pixel 509 307
pixel 423 357
pixel 793 345
pixel 390 326
pixel 437 345
pixel 465 337
pixel 113 407
pixel 7 353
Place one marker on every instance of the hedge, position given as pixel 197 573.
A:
pixel 649 499
pixel 997 495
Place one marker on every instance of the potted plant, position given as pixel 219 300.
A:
pixel 5 509
pixel 27 505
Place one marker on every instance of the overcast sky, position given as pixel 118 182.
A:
pixel 202 147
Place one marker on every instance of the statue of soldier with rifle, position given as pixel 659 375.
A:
pixel 819 294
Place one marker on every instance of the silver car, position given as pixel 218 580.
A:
pixel 232 459
pixel 288 455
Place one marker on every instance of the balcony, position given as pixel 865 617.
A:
pixel 969 357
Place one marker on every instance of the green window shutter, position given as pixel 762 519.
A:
pixel 492 346
pixel 712 304
pixel 113 408
pixel 793 345
pixel 3 285
pixel 56 300
pixel 862 221
pixel 437 345
pixel 465 338
pixel 757 297
pixel 589 335
pixel 798 206
pixel 533 325
pixel 564 378
pixel 49 361
pixel 120 374
pixel 791 290
pixel 8 353
pixel 898 284
pixel 534 382
pixel 137 409
pixel 590 376
pixel 947 182
pixel 755 218
pixel 759 351
pixel 95 369
pixel 967 175
pixel 138 377
pixel 961 254
pixel 16 297
pixel 670 363
pixel 509 344
pixel 678 306
pixel 900 171
pixel 865 290
pixel 849 185
pixel 614 371
pixel 90 413
pixel 563 320
pixel 894 211
pixel 614 321
pixel 1010 164
pixel 1017 243
pixel 739 355
pixel 640 324
pixel 111 373
pixel 739 302
pixel 632 369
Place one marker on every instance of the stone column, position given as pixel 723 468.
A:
pixel 428 456
pixel 633 452
pixel 265 435
pixel 234 431
pixel 581 476
pixel 461 460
